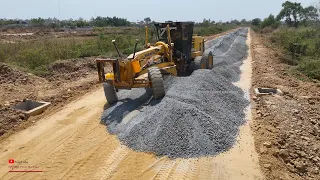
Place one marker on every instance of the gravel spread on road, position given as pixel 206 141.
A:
pixel 200 114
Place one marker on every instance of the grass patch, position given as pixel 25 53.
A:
pixel 310 67
pixel 293 71
pixel 302 47
pixel 36 56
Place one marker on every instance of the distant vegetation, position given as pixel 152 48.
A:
pixel 208 27
pixel 296 29
pixel 36 55
pixel 56 23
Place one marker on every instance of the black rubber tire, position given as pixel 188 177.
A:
pixel 191 67
pixel 200 63
pixel 210 60
pixel 157 84
pixel 197 63
pixel 110 93
pixel 204 62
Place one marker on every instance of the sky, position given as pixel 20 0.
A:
pixel 160 10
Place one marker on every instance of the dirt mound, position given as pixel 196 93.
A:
pixel 9 75
pixel 71 69
pixel 66 80
pixel 10 119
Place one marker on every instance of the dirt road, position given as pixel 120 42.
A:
pixel 72 144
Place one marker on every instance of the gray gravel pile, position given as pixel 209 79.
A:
pixel 199 116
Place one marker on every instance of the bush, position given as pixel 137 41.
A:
pixel 302 46
pixel 304 41
pixel 310 67
pixel 267 30
pixel 32 58
pixel 256 29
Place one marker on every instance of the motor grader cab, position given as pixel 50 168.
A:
pixel 188 48
pixel 176 51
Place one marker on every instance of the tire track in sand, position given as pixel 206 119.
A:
pixel 111 164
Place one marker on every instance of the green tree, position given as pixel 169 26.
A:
pixel 236 22
pixel 81 22
pixel 292 12
pixel 38 22
pixel 205 23
pixel 256 21
pixel 317 5
pixel 7 21
pixel 310 13
pixel 243 21
pixel 270 21
pixel 109 21
pixel 147 20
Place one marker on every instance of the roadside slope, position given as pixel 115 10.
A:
pixel 286 127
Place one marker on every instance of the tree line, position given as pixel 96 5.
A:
pixel 292 14
pixel 54 22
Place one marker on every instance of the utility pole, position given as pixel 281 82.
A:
pixel 59 14
pixel 59 8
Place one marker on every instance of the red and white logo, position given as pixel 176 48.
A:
pixel 11 161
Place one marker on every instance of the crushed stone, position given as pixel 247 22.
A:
pixel 200 114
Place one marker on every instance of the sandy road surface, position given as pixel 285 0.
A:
pixel 72 144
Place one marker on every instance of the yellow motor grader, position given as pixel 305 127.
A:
pixel 177 52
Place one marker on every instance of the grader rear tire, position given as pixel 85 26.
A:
pixel 200 63
pixel 210 60
pixel 157 84
pixel 110 93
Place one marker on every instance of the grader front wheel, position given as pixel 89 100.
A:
pixel 157 84
pixel 110 93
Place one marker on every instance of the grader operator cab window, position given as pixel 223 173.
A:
pixel 181 35
pixel 162 33
pixel 185 30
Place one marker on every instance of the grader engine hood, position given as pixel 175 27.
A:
pixel 145 53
